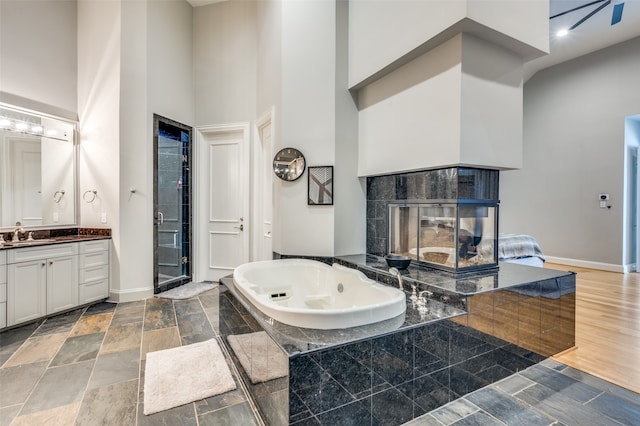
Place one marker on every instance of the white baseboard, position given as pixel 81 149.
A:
pixel 591 265
pixel 130 295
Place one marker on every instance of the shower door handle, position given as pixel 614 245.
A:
pixel 160 218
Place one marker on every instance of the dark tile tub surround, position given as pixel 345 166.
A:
pixel 472 334
pixel 454 183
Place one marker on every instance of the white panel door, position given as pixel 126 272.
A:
pixel 223 201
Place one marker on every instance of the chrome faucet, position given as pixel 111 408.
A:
pixel 16 235
pixel 394 271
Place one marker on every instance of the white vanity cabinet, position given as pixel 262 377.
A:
pixel 41 280
pixel 94 271
pixel 3 289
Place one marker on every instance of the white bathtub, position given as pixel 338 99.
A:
pixel 311 294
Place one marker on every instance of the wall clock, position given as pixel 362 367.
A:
pixel 288 164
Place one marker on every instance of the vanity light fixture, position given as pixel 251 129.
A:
pixel 563 32
pixel 13 125
pixel 23 121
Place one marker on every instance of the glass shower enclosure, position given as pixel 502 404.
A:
pixel 172 203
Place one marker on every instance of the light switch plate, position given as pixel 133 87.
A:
pixel 103 217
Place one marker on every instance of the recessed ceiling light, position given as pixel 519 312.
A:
pixel 563 32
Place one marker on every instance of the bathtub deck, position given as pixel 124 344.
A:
pixel 480 329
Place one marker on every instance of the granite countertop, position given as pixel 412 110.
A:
pixel 507 275
pixel 56 236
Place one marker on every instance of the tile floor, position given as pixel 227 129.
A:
pixel 86 367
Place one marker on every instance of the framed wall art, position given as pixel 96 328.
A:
pixel 320 186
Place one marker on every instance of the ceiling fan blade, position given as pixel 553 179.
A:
pixel 577 8
pixel 617 13
pixel 593 12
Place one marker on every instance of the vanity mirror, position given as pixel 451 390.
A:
pixel 37 169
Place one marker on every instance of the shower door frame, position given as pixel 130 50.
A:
pixel 187 186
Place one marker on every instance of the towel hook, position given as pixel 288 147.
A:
pixel 57 196
pixel 91 195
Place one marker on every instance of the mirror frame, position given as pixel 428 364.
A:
pixel 74 171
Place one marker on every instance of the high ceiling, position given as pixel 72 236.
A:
pixel 593 34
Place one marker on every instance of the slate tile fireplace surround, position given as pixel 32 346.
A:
pixel 450 185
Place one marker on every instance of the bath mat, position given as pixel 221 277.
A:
pixel 185 374
pixel 260 356
pixel 186 291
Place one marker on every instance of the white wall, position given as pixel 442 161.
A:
pixel 372 24
pixel 135 213
pixel 350 192
pixel 99 39
pixel 491 105
pixel 224 61
pixel 134 60
pixel 574 120
pixel 458 104
pixel 38 53
pixel 307 122
pixel 170 65
pixel 416 26
pixel 410 119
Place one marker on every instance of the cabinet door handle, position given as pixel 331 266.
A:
pixel 43 264
pixel 51 262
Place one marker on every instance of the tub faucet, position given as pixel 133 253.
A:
pixel 394 271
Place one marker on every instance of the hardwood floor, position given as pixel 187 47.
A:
pixel 607 326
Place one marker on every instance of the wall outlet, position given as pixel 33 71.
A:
pixel 103 217
pixel 56 216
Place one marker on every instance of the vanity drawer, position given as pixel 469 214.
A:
pixel 93 291
pixel 94 246
pixel 26 254
pixel 98 258
pixel 95 273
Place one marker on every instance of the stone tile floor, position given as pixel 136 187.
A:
pixel 86 367
pixel 548 393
